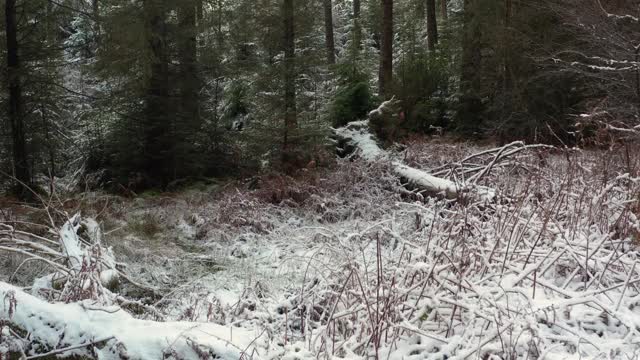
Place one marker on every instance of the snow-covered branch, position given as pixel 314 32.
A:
pixel 85 329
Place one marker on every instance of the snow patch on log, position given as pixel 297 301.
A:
pixel 109 332
pixel 358 134
pixel 360 137
pixel 71 244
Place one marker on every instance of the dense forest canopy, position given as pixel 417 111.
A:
pixel 319 179
pixel 153 93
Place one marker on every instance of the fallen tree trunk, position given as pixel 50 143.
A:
pixel 357 135
pixel 33 328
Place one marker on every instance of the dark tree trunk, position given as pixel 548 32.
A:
pixel 471 52
pixel 471 110
pixel 357 36
pixel 219 31
pixel 158 163
pixel 95 12
pixel 200 20
pixel 328 30
pixel 290 116
pixel 188 56
pixel 16 105
pixel 200 10
pixel 507 44
pixel 432 25
pixel 386 50
pixel 444 14
pixel 95 8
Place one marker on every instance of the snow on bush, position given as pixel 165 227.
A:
pixel 340 264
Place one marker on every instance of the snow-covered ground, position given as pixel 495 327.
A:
pixel 343 263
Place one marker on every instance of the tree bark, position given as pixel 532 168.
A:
pixel 290 116
pixel 188 56
pixel 444 14
pixel 386 51
pixel 200 21
pixel 432 25
pixel 158 163
pixel 507 44
pixel 357 136
pixel 219 31
pixel 357 30
pixel 471 52
pixel 328 30
pixel 200 10
pixel 16 106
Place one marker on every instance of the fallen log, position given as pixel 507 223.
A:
pixel 33 328
pixel 358 136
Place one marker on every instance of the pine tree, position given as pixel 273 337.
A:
pixel 386 51
pixel 328 29
pixel 432 25
pixel 290 114
pixel 189 117
pixel 158 163
pixel 16 106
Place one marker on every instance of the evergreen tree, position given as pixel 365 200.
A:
pixel 16 105
pixel 386 50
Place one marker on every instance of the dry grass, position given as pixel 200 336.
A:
pixel 364 270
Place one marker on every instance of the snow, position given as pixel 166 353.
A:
pixel 423 179
pixel 360 136
pixel 71 243
pixel 60 325
pixel 551 274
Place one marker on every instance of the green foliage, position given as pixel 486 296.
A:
pixel 539 113
pixel 235 73
pixel 353 99
pixel 470 116
pixel 236 105
pixel 429 116
pixel 424 81
pixel 511 94
pixel 351 103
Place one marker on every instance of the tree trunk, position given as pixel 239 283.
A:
pixel 357 135
pixel 16 105
pixel 432 25
pixel 471 110
pixel 507 44
pixel 158 164
pixel 188 56
pixel 219 31
pixel 386 51
pixel 290 116
pixel 444 14
pixel 357 30
pixel 200 10
pixel 471 56
pixel 328 30
pixel 200 21
pixel 95 8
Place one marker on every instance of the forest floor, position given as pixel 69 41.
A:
pixel 344 262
